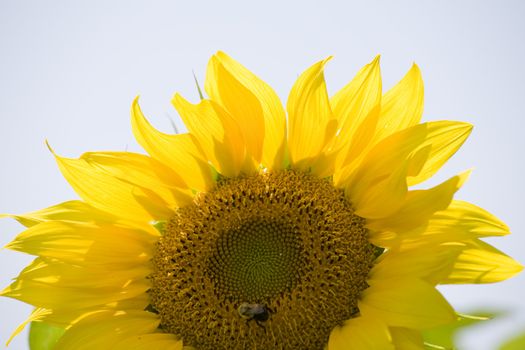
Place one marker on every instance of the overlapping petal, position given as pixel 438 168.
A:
pixel 460 221
pixel 54 285
pixel 472 220
pixel 68 211
pixel 353 104
pixel 361 333
pixel 217 132
pixel 150 341
pixel 260 116
pixel 86 244
pixel 311 123
pixel 480 262
pixel 139 194
pixel 377 116
pixel 402 106
pixel 155 179
pixel 111 328
pixel 179 152
pixel 395 162
pixel 419 206
pixel 405 302
pixel 430 263
pixel 407 339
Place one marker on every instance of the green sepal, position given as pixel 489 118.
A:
pixel 215 175
pixel 160 226
pixel 44 336
pixel 443 337
pixel 201 96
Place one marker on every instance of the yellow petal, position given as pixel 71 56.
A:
pixel 379 196
pixel 444 141
pixel 65 317
pixel 352 155
pixel 43 295
pixel 420 205
pixel 150 341
pixel 405 302
pixel 104 330
pixel 461 221
pixel 382 198
pixel 353 103
pixel 431 263
pixel 222 87
pixel 426 145
pixel 86 244
pixel 152 176
pixel 402 106
pixel 482 263
pixel 253 105
pixel 469 219
pixel 384 158
pixel 311 123
pixel 102 189
pixel 179 152
pixel 56 285
pixel 37 314
pixel 218 134
pixel 139 303
pixel 65 275
pixel 70 211
pixel 360 333
pixel 407 339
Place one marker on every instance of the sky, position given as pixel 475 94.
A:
pixel 69 71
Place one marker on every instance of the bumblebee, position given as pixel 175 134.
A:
pixel 258 312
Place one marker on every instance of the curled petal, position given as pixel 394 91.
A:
pixel 180 152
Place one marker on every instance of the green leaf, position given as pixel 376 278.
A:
pixel 43 336
pixel 516 343
pixel 443 337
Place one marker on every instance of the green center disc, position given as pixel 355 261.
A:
pixel 257 260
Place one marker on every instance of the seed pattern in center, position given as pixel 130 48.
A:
pixel 286 241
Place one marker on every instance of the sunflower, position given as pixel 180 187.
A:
pixel 260 228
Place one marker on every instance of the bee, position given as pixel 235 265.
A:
pixel 258 312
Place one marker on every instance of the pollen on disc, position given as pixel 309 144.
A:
pixel 286 240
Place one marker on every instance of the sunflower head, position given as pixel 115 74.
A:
pixel 263 228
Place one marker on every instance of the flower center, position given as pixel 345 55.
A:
pixel 257 260
pixel 272 260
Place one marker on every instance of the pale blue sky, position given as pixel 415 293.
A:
pixel 69 71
